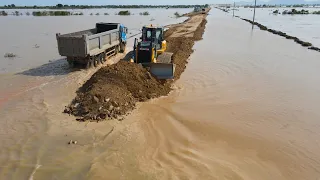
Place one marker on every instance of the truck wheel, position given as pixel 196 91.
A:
pixel 70 63
pixel 122 47
pixel 104 57
pixel 116 50
pixel 89 63
pixel 101 58
pixel 96 61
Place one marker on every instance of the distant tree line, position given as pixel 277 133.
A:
pixel 43 13
pixel 294 11
pixel 61 6
pixel 281 5
pixel 51 13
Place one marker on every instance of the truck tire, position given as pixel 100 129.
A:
pixel 122 47
pixel 101 58
pixel 89 63
pixel 116 50
pixel 70 62
pixel 96 61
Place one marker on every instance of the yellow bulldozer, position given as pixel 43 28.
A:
pixel 150 52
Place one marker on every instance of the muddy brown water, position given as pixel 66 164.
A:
pixel 246 107
pixel 32 39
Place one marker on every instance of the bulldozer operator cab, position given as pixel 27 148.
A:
pixel 151 45
pixel 153 35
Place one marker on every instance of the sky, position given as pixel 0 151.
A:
pixel 106 2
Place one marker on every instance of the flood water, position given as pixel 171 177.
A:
pixel 245 108
pixel 305 27
pixel 33 39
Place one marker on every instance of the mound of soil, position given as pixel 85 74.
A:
pixel 181 47
pixel 114 90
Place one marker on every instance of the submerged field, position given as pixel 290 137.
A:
pixel 305 27
pixel 35 44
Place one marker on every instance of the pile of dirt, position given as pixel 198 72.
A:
pixel 181 47
pixel 114 90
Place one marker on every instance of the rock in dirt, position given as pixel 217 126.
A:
pixel 67 110
pixel 111 108
pixel 95 99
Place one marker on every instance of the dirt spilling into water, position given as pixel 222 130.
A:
pixel 114 90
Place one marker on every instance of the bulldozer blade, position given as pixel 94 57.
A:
pixel 162 70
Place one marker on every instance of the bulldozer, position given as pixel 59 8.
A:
pixel 149 51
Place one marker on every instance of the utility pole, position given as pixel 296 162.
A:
pixel 226 5
pixel 254 12
pixel 234 6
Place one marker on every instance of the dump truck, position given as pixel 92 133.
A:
pixel 149 51
pixel 93 46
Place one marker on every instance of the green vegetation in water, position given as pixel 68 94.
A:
pixel 298 5
pixel 10 55
pixel 91 14
pixel 106 14
pixel 97 14
pixel 3 13
pixel 146 13
pixel 177 14
pixel 16 13
pixel 276 12
pixel 274 6
pixel 77 14
pixel 294 11
pixel 124 13
pixel 316 12
pixel 28 13
pixel 51 13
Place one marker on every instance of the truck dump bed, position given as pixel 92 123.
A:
pixel 89 42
